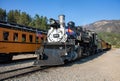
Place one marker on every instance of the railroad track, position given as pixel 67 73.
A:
pixel 16 68
pixel 18 72
pixel 29 69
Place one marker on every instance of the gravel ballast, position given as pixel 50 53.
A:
pixel 100 67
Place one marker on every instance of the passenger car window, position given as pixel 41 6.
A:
pixel 5 35
pixel 31 38
pixel 15 37
pixel 37 39
pixel 23 38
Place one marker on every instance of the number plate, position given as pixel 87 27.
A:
pixel 55 35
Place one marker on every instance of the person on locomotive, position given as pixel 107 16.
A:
pixel 71 30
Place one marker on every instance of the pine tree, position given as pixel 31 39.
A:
pixel 24 19
pixel 2 14
pixel 11 17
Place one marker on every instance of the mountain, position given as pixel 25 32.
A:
pixel 112 26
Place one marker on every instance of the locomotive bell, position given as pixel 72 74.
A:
pixel 62 20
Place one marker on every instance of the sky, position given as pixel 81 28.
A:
pixel 82 12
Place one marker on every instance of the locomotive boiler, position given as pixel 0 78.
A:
pixel 65 43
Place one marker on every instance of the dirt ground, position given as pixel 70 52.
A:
pixel 100 67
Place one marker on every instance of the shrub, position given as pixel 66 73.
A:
pixel 111 38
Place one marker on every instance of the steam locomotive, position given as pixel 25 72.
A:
pixel 66 43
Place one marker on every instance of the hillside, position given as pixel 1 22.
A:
pixel 108 30
pixel 105 26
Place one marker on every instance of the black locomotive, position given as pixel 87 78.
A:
pixel 66 43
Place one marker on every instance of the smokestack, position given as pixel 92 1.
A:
pixel 62 20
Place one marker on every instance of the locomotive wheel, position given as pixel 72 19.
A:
pixel 66 61
pixel 92 52
pixel 88 53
